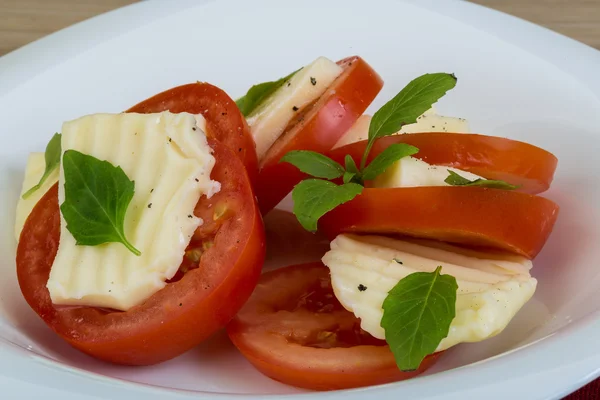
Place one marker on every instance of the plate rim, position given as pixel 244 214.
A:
pixel 574 58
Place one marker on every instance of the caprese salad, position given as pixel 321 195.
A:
pixel 140 234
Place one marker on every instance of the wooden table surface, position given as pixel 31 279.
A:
pixel 23 21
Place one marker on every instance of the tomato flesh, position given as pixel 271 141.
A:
pixel 522 164
pixel 215 105
pixel 230 248
pixel 516 222
pixel 317 128
pixel 294 330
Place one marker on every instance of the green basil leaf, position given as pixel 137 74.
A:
pixel 455 179
pixel 350 164
pixel 417 314
pixel 257 94
pixel 386 158
pixel 97 195
pixel 412 101
pixel 314 198
pixel 52 158
pixel 348 176
pixel 315 164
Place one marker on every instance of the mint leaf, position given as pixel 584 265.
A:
pixel 257 94
pixel 386 158
pixel 97 195
pixel 52 158
pixel 455 179
pixel 412 101
pixel 417 314
pixel 314 198
pixel 315 164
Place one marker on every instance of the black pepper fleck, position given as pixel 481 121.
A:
pixel 180 304
pixel 289 84
pixel 151 190
pixel 295 108
pixel 193 128
pixel 240 149
pixel 313 81
pixel 190 216
pixel 223 113
pixel 398 261
pixel 362 287
pixel 196 179
pixel 150 205
pixel 170 140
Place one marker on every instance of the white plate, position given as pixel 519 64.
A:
pixel 515 80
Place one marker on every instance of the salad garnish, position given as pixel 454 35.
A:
pixel 52 157
pixel 455 179
pixel 417 314
pixel 97 195
pixel 258 93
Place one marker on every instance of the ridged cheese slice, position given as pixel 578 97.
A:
pixel 430 121
pixel 36 164
pixel 268 122
pixel 168 157
pixel 491 287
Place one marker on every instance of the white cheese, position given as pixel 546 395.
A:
pixel 430 121
pixel 168 157
pixel 492 287
pixel 269 121
pixel 412 172
pixel 36 164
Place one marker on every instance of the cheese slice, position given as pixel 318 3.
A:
pixel 412 172
pixel 36 165
pixel 430 121
pixel 492 287
pixel 168 157
pixel 269 121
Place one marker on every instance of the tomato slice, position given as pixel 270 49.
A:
pixel 294 330
pixel 184 312
pixel 317 128
pixel 517 222
pixel 519 163
pixel 224 120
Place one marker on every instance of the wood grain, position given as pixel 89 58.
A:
pixel 23 21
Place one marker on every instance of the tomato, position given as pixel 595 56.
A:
pixel 517 222
pixel 317 128
pixel 522 164
pixel 224 121
pixel 295 331
pixel 186 311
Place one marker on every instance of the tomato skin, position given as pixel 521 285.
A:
pixel 522 164
pixel 215 105
pixel 318 129
pixel 273 326
pixel 183 313
pixel 507 220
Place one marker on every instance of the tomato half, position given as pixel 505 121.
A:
pixel 224 121
pixel 187 310
pixel 519 163
pixel 294 330
pixel 317 128
pixel 517 222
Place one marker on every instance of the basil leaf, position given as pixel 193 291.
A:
pixel 350 164
pixel 314 198
pixel 417 314
pixel 455 179
pixel 412 101
pixel 386 158
pixel 315 164
pixel 97 195
pixel 348 176
pixel 52 158
pixel 257 94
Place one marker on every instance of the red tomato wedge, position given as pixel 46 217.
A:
pixel 517 222
pixel 294 330
pixel 184 312
pixel 224 121
pixel 522 164
pixel 317 128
